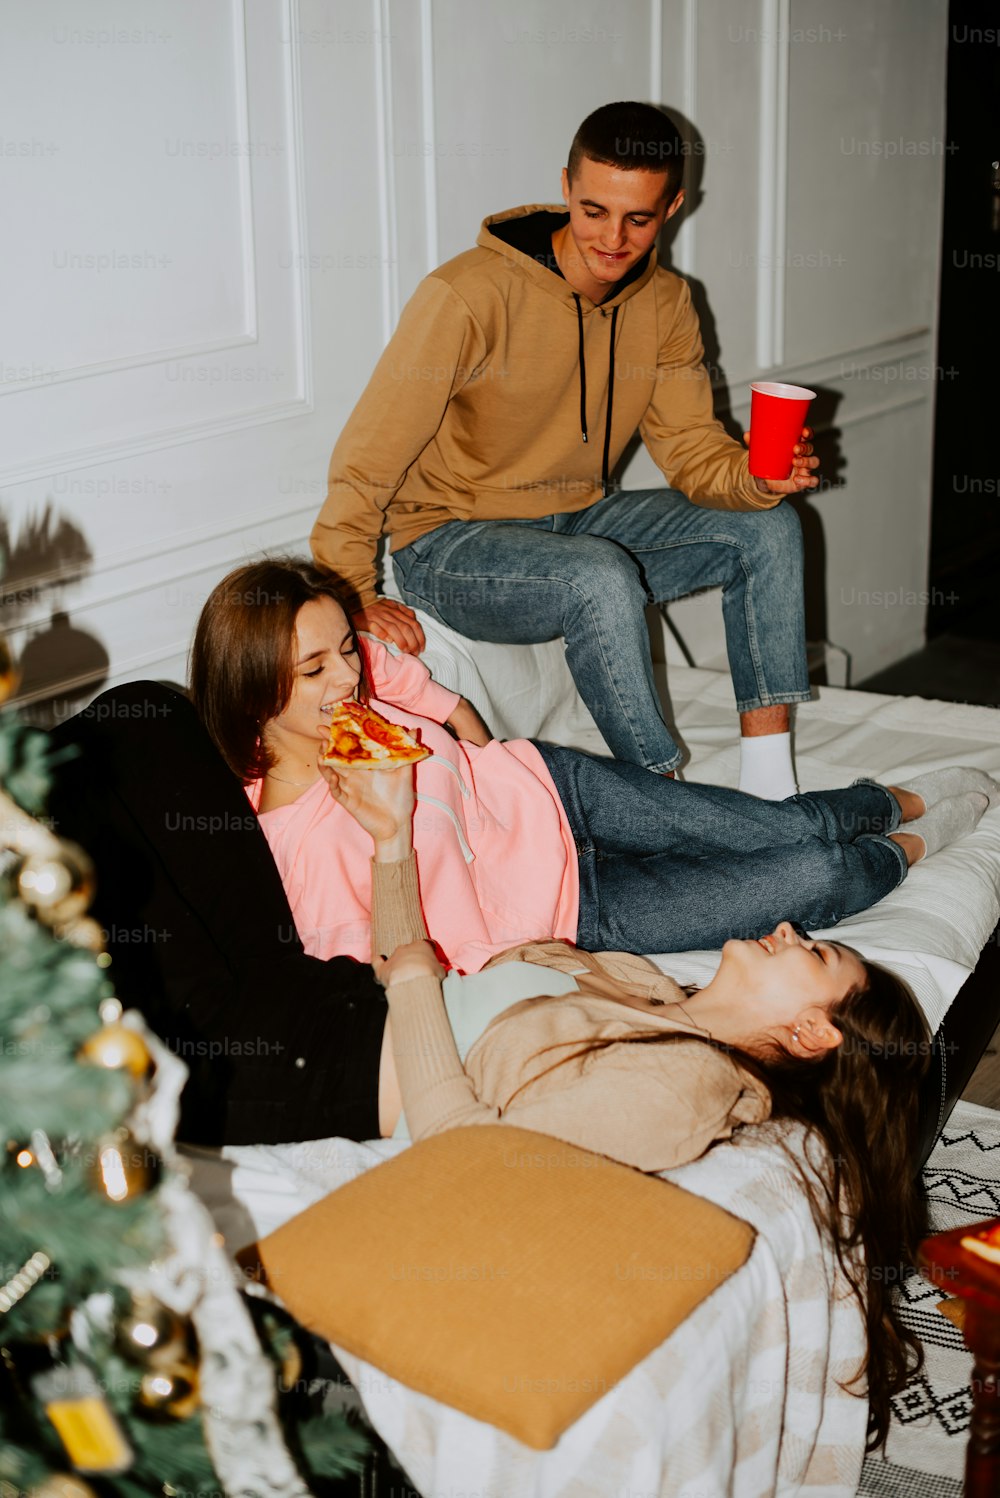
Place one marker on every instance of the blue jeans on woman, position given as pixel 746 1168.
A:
pixel 588 576
pixel 667 866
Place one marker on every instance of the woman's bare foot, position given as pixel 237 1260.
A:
pixel 914 847
pixel 910 804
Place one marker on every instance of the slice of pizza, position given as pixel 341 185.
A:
pixel 362 738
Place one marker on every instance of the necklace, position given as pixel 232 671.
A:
pixel 676 1004
pixel 270 775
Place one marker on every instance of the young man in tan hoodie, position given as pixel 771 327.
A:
pixel 487 437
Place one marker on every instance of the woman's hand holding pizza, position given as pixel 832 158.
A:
pixel 382 801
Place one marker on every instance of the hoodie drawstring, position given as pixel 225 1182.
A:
pixel 582 368
pixel 611 402
pixel 581 362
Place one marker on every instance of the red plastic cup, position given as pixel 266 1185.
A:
pixel 777 416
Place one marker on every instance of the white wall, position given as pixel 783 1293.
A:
pixel 218 208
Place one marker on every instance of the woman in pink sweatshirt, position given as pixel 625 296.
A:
pixel 523 841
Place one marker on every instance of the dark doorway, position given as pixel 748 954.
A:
pixel 961 661
pixel 965 523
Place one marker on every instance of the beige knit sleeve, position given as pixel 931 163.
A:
pixel 436 1091
pixel 396 914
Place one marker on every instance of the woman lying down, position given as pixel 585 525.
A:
pixel 604 1052
pixel 611 1054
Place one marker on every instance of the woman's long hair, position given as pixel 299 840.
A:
pixel 861 1102
pixel 243 660
pixel 859 1106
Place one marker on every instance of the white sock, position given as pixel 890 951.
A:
pixel 766 766
pixel 947 821
pixel 956 780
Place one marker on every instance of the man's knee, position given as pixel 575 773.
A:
pixel 776 532
pixel 603 577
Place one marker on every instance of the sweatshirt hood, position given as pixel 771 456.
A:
pixel 547 280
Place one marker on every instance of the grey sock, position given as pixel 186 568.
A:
pixel 946 822
pixel 955 780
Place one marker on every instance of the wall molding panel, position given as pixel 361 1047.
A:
pixel 385 145
pixel 162 395
pixel 427 119
pixel 898 363
pixel 772 182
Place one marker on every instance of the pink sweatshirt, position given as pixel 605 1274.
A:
pixel 495 855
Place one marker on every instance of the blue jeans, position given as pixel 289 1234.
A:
pixel 671 867
pixel 588 577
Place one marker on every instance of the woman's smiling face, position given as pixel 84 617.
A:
pixel 326 669
pixel 783 972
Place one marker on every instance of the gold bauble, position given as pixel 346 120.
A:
pixel 170 1393
pixel 62 1485
pixel 56 886
pixel 85 932
pixel 116 1047
pixel 150 1334
pixel 292 1367
pixel 10 676
pixel 19 1152
pixel 122 1168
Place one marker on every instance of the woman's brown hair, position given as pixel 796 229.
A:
pixel 243 656
pixel 860 1106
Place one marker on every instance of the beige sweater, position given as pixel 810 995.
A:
pixel 473 410
pixel 650 1105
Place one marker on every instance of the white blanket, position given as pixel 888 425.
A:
pixel 745 1398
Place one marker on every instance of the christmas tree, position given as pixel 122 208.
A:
pixel 128 1357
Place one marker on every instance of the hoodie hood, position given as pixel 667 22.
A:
pixel 491 237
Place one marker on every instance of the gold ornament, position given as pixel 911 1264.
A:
pixel 122 1168
pixel 87 933
pixel 170 1393
pixel 61 1485
pixel 150 1334
pixel 292 1367
pixel 56 882
pixel 10 676
pixel 116 1046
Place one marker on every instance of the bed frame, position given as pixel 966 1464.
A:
pixel 959 1045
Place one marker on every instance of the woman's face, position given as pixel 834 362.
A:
pixel 326 670
pixel 781 974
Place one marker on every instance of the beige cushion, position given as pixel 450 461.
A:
pixel 503 1272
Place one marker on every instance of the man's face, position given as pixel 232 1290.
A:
pixel 615 216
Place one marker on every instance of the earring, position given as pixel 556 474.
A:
pixel 795 1032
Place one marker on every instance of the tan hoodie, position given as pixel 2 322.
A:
pixel 539 1065
pixel 478 406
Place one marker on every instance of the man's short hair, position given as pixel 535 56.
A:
pixel 634 137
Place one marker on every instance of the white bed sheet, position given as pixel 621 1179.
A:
pixel 745 1398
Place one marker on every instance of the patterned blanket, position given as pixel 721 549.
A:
pixel 745 1398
